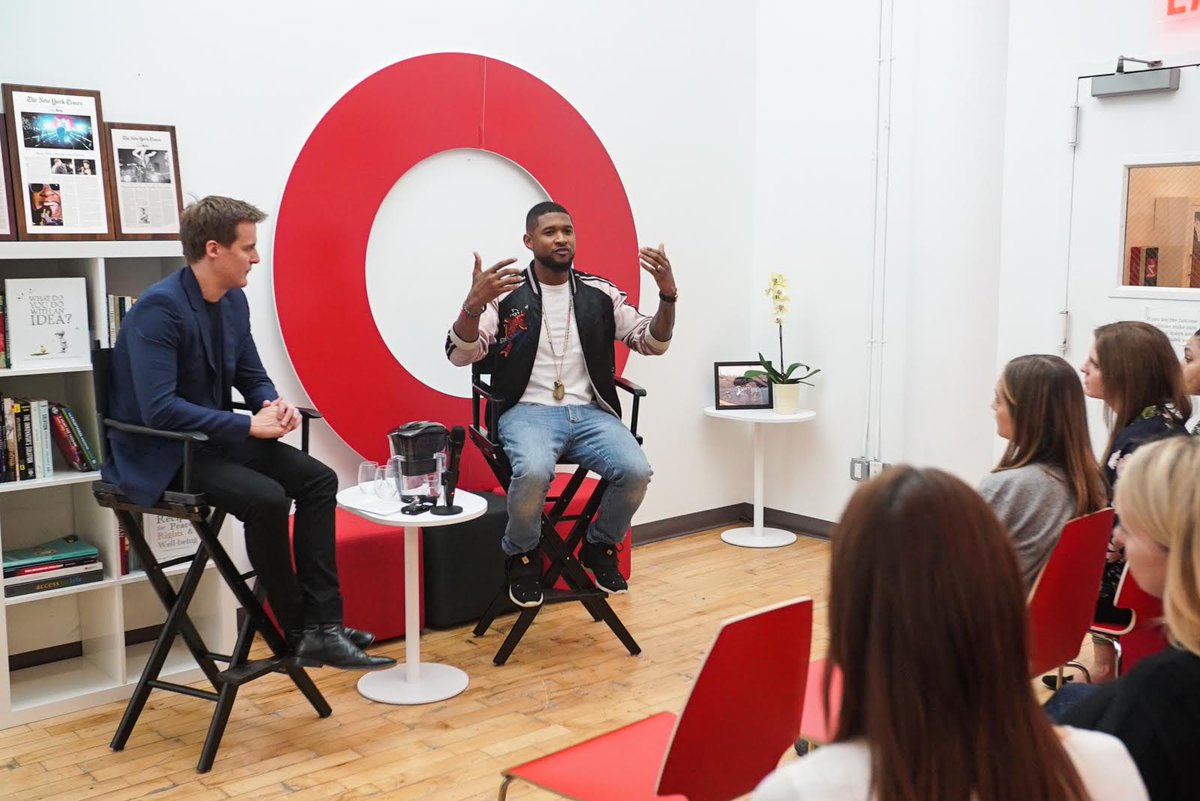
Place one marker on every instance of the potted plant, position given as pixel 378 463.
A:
pixel 787 381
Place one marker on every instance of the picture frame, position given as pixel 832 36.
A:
pixel 8 217
pixel 58 162
pixel 144 180
pixel 733 390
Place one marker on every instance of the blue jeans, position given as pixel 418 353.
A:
pixel 536 437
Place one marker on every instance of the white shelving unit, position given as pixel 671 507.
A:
pixel 91 620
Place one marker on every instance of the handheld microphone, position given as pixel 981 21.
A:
pixel 458 436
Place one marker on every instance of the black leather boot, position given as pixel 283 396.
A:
pixel 362 639
pixel 326 645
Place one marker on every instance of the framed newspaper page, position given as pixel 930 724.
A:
pixel 58 162
pixel 8 219
pixel 145 180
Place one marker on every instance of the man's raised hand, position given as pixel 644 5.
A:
pixel 489 284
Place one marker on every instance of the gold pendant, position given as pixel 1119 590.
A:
pixel 560 391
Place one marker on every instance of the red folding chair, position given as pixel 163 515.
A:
pixel 742 713
pixel 1145 634
pixel 817 728
pixel 1063 598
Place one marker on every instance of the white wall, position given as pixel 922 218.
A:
pixel 745 135
pixel 667 89
pixel 1052 44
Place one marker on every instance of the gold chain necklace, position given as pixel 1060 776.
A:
pixel 560 390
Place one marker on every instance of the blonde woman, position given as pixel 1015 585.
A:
pixel 1155 708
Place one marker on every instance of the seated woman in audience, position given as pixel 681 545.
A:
pixel 1191 370
pixel 1133 369
pixel 1047 474
pixel 1155 708
pixel 927 623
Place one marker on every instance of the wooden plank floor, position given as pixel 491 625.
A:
pixel 568 680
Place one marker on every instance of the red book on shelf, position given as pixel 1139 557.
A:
pixel 65 440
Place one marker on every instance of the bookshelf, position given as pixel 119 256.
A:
pixel 69 649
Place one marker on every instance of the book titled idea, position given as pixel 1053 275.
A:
pixel 47 320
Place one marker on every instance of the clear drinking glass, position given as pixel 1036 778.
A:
pixel 386 486
pixel 367 474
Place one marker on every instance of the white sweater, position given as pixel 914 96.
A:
pixel 842 771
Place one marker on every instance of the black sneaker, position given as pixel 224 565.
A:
pixel 524 572
pixel 601 561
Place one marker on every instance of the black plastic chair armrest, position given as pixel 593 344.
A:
pixel 188 438
pixel 629 386
pixel 638 393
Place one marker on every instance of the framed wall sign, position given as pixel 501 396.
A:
pixel 8 219
pixel 145 180
pixel 733 389
pixel 58 164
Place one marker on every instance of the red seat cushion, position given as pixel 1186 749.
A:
pixel 624 561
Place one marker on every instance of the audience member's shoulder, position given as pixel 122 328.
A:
pixel 1107 770
pixel 1171 671
pixel 1030 476
pixel 833 773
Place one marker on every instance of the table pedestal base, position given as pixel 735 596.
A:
pixel 748 537
pixel 436 683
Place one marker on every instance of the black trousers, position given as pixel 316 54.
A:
pixel 256 482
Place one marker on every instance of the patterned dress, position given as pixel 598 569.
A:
pixel 1153 423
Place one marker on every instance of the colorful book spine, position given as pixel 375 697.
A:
pixel 68 446
pixel 37 463
pixel 43 584
pixel 47 454
pixel 46 567
pixel 10 441
pixel 24 428
pixel 77 430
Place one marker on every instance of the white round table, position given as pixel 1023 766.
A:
pixel 414 682
pixel 758 536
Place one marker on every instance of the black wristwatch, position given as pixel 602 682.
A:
pixel 668 298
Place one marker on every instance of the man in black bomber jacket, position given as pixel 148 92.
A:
pixel 552 329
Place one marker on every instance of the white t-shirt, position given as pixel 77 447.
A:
pixel 842 771
pixel 555 334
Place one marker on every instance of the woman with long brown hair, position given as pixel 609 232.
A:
pixel 1048 473
pixel 927 623
pixel 1132 368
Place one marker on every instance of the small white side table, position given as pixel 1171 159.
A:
pixel 414 682
pixel 758 536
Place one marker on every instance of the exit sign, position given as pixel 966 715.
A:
pixel 1182 9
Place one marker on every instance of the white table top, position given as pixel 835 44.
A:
pixel 388 513
pixel 760 415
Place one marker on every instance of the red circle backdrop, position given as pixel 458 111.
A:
pixel 380 129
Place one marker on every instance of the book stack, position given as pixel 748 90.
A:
pixel 65 562
pixel 118 307
pixel 30 430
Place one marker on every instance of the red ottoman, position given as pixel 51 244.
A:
pixel 624 561
pixel 370 559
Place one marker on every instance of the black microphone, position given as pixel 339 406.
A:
pixel 458 437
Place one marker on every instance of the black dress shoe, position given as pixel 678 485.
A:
pixel 363 639
pixel 326 645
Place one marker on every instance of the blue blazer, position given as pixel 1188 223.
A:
pixel 165 375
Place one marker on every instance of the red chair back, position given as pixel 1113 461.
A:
pixel 1146 633
pixel 744 708
pixel 816 726
pixel 1063 599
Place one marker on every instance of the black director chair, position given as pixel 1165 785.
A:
pixel 560 550
pixel 184 504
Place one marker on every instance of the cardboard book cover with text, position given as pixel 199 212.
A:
pixel 47 322
pixel 169 537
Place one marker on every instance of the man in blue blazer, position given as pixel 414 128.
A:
pixel 182 348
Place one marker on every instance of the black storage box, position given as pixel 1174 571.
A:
pixel 464 566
